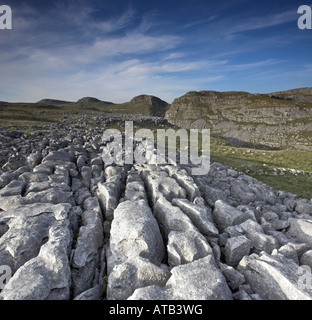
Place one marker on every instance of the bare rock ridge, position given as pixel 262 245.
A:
pixel 301 94
pixel 74 227
pixel 280 119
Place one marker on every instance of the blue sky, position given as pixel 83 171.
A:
pixel 115 50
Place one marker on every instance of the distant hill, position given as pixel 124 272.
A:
pixel 52 102
pixel 150 105
pixel 143 104
pixel 279 119
pixel 89 100
pixel 146 105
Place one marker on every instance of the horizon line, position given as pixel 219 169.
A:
pixel 152 95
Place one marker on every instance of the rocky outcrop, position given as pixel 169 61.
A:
pixel 74 227
pixel 37 246
pixel 274 277
pixel 273 120
pixel 199 280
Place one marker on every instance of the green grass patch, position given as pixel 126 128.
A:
pixel 266 165
pixel 300 184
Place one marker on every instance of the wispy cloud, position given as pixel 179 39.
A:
pixel 254 65
pixel 135 42
pixel 136 67
pixel 114 24
pixel 203 21
pixel 271 20
pixel 228 29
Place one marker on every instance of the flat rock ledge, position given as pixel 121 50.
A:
pixel 74 227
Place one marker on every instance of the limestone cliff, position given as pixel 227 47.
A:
pixel 280 119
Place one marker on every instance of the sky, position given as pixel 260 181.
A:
pixel 117 49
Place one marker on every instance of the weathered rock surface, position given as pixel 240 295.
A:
pixel 301 230
pixel 135 232
pixel 47 275
pixel 134 273
pixel 75 227
pixel 161 186
pixel 171 218
pixel 108 194
pixel 86 255
pixel 274 277
pixel 186 247
pixel 200 215
pixel 260 241
pixel 225 215
pixel 236 248
pixel 199 280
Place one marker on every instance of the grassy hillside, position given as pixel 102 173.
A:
pixel 51 110
pixel 288 170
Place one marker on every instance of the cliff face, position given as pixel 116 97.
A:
pixel 275 119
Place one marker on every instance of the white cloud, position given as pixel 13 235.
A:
pixel 253 23
pixel 253 65
pixel 114 24
pixel 135 42
pixel 138 67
